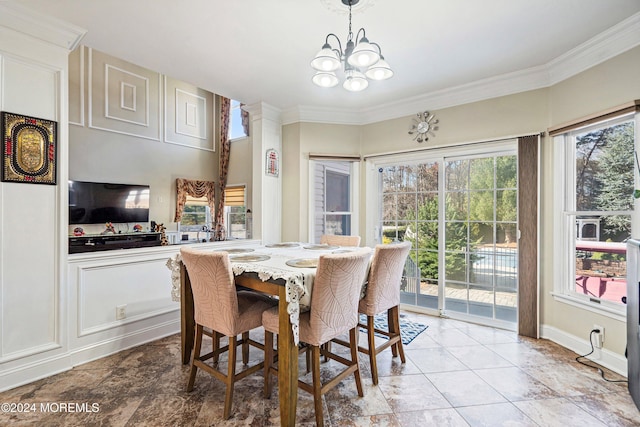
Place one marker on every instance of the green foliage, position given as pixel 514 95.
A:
pixel 604 175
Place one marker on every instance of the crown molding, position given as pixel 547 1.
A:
pixel 44 28
pixel 606 45
pixel 262 110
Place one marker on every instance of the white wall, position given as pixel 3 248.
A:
pixel 155 153
pixel 33 78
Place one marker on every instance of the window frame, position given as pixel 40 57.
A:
pixel 354 185
pixel 564 228
pixel 228 214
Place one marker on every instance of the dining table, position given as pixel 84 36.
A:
pixel 284 270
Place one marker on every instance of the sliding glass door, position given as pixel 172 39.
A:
pixel 460 213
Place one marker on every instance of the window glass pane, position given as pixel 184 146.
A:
pixel 427 177
pixel 338 224
pixel 457 205
pixel 481 173
pixel 456 266
pixel 604 169
pixel 506 205
pixel 389 207
pixel 506 172
pixel 481 205
pixel 427 206
pixel 457 175
pixel 481 233
pixel 456 236
pixel 337 192
pixel 390 179
pixel 427 235
pixel 408 178
pixel 236 130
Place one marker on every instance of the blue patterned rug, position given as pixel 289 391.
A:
pixel 408 329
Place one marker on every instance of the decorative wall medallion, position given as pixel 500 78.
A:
pixel 424 124
pixel 29 147
pixel 342 7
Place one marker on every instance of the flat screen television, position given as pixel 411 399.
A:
pixel 99 202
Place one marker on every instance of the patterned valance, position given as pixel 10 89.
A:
pixel 194 188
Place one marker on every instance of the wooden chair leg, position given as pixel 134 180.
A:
pixel 353 341
pixel 268 361
pixel 245 348
pixel 317 385
pixel 394 319
pixel 371 341
pixel 216 345
pixel 194 356
pixel 230 379
pixel 392 329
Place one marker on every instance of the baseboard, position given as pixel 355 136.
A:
pixel 34 371
pixel 603 357
pixel 123 342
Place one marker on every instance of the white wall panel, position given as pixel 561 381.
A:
pixel 144 286
pixel 39 94
pixel 29 319
pixel 76 86
pixel 188 115
pixel 123 97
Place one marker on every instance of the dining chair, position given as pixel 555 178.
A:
pixel 334 239
pixel 219 307
pixel 333 312
pixel 383 294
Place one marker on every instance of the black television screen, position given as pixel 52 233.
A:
pixel 99 202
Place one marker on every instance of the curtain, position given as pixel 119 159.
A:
pixel 225 151
pixel 528 167
pixel 194 188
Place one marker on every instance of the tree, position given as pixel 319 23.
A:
pixel 614 178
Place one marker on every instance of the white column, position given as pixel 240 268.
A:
pixel 266 134
pixel 34 53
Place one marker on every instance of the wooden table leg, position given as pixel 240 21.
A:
pixel 287 365
pixel 187 321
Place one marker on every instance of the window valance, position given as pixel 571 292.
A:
pixel 193 188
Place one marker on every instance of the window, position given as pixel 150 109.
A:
pixel 196 218
pixel 333 198
pixel 236 129
pixel 237 223
pixel 460 213
pixel 595 165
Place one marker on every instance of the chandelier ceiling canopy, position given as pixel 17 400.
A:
pixel 361 60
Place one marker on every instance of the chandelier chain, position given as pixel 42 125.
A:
pixel 350 21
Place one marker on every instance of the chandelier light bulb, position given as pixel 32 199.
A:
pixel 379 71
pixel 326 59
pixel 355 81
pixel 363 55
pixel 325 79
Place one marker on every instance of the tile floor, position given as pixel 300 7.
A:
pixel 457 374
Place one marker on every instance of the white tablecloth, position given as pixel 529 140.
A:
pixel 298 281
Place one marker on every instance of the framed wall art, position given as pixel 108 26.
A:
pixel 272 163
pixel 29 149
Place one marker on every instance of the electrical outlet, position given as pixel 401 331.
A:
pixel 121 312
pixel 598 336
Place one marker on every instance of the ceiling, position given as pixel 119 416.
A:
pixel 259 50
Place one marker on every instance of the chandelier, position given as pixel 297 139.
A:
pixel 361 60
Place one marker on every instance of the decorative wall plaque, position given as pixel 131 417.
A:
pixel 29 149
pixel 272 163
